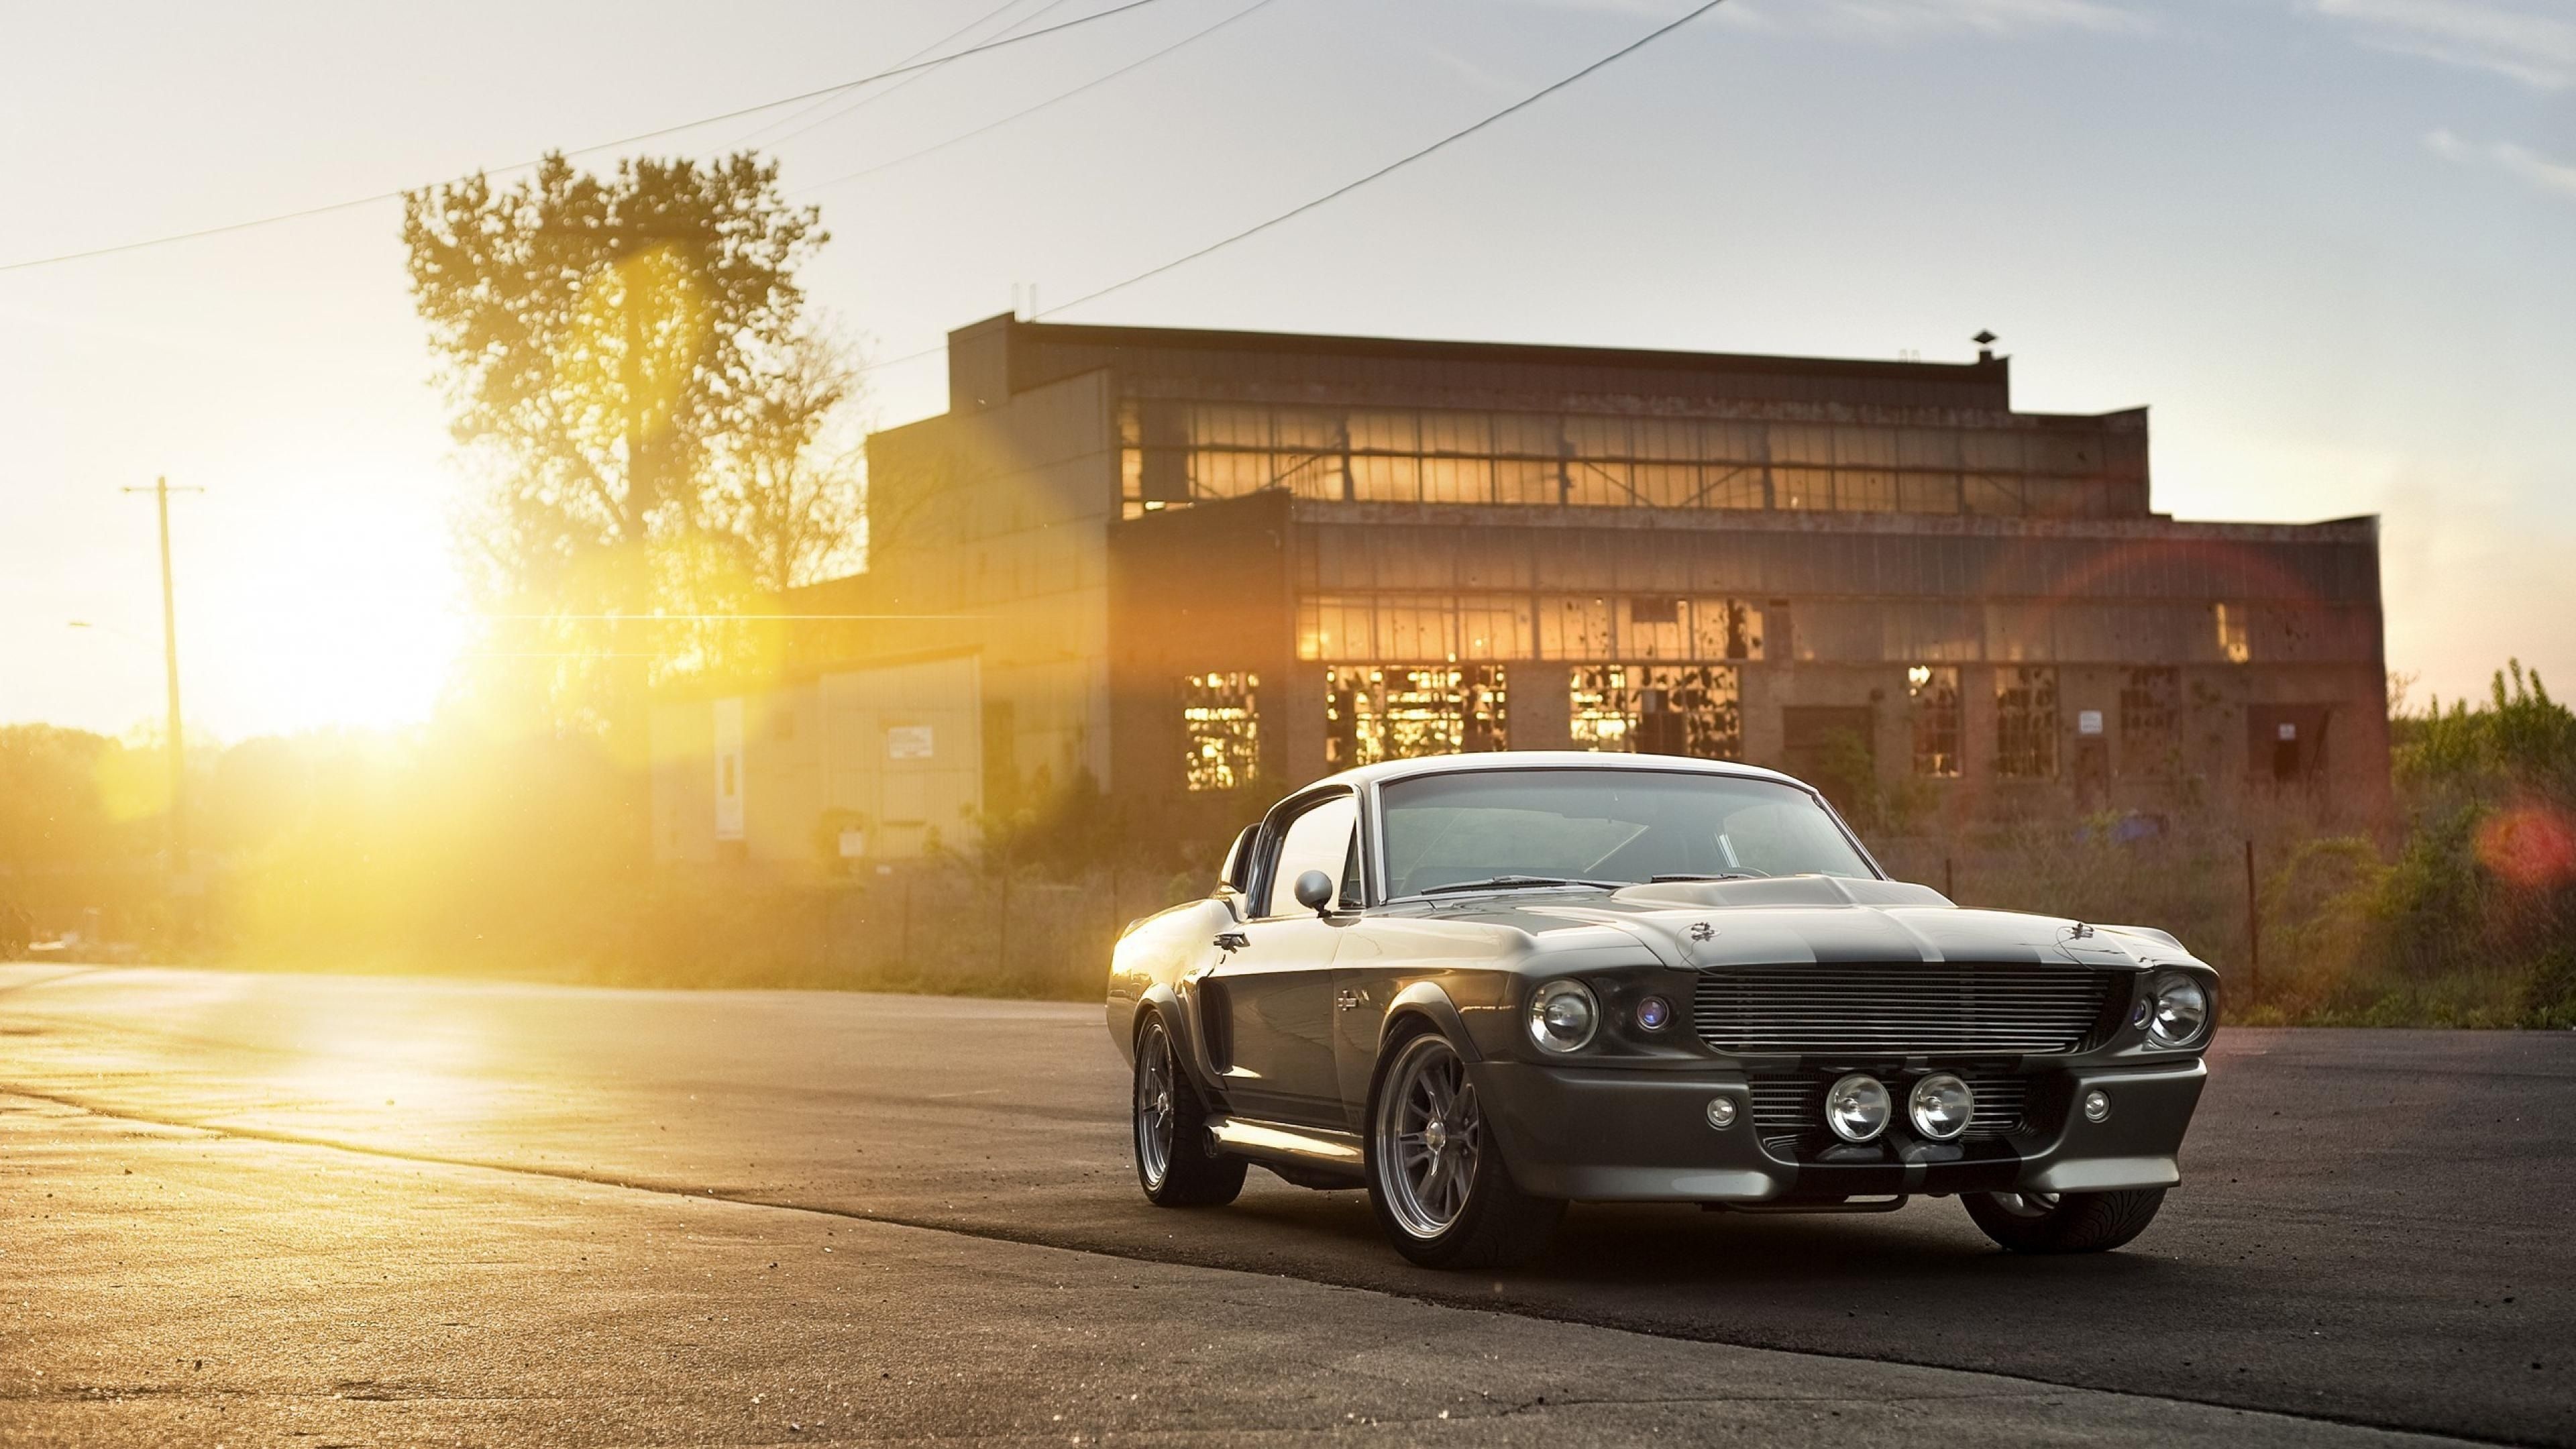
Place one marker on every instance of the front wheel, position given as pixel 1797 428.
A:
pixel 1435 1175
pixel 1176 1161
pixel 2064 1222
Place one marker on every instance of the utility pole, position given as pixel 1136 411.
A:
pixel 161 491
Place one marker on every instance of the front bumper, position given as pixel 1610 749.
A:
pixel 1625 1135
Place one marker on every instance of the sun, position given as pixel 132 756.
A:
pixel 321 603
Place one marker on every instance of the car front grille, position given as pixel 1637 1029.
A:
pixel 1899 1010
pixel 1791 1107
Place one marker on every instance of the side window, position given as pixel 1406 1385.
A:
pixel 1320 839
pixel 1238 860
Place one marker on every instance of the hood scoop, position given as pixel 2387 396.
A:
pixel 1784 890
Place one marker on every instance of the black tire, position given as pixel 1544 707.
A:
pixel 2073 1222
pixel 1167 1113
pixel 1496 1225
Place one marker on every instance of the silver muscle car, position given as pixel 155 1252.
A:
pixel 1483 986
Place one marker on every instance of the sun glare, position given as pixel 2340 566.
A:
pixel 347 615
pixel 362 1060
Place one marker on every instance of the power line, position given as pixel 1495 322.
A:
pixel 1192 38
pixel 863 102
pixel 1340 191
pixel 1389 169
pixel 977 23
pixel 736 114
pixel 933 350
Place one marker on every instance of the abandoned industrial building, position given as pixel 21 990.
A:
pixel 1197 565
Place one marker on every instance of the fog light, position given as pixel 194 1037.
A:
pixel 1654 1012
pixel 1858 1108
pixel 2097 1105
pixel 1721 1112
pixel 1940 1106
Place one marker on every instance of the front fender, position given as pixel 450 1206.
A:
pixel 1425 999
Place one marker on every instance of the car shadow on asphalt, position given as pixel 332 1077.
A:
pixel 1642 1253
pixel 1927 1240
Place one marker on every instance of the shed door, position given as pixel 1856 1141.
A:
pixel 2285 744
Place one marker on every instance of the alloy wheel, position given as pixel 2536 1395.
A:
pixel 1156 1122
pixel 1430 1137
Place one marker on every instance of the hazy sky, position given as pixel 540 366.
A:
pixel 2332 243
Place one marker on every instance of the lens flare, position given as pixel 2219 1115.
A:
pixel 2531 846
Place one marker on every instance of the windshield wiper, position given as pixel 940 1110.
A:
pixel 1513 882
pixel 1718 875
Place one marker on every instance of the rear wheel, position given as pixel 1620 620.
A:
pixel 2064 1222
pixel 1435 1175
pixel 1176 1160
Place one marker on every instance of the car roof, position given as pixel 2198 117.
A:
pixel 1387 770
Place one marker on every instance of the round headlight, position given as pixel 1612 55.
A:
pixel 1562 1016
pixel 2181 1010
pixel 1654 1013
pixel 1940 1106
pixel 1858 1108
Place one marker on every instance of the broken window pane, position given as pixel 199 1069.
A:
pixel 2150 714
pixel 1394 712
pixel 2026 722
pixel 1725 629
pixel 1222 727
pixel 1573 627
pixel 1659 709
pixel 1932 698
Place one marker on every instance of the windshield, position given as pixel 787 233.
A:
pixel 1619 825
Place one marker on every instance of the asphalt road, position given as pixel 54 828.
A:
pixel 251 1209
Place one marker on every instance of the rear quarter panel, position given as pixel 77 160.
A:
pixel 1149 965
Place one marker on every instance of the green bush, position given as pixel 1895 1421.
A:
pixel 2549 993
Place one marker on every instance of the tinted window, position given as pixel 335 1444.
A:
pixel 1320 839
pixel 1604 825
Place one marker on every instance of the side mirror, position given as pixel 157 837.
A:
pixel 1315 891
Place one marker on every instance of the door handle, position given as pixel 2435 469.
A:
pixel 1233 941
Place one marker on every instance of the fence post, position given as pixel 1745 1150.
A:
pixel 1111 937
pixel 2253 930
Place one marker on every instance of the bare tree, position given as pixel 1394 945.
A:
pixel 791 489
